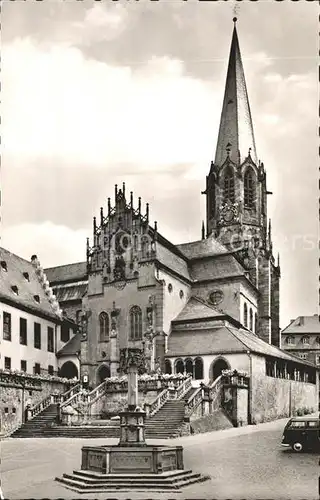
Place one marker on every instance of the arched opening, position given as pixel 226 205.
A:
pixel 167 366
pixel 179 366
pixel 255 323
pixel 198 369
pixel 245 315
pixel 249 188
pixel 251 319
pixel 135 323
pixel 69 370
pixel 217 367
pixel 189 366
pixel 104 327
pixel 228 185
pixel 103 373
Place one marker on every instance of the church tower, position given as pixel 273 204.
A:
pixel 236 196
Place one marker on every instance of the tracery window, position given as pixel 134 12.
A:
pixel 228 185
pixel 249 188
pixel 104 327
pixel 135 323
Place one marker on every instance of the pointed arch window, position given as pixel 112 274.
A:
pixel 255 323
pixel 251 319
pixel 245 315
pixel 228 185
pixel 249 188
pixel 168 366
pixel 104 327
pixel 135 323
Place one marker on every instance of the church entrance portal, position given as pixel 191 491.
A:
pixel 103 373
pixel 217 368
pixel 69 370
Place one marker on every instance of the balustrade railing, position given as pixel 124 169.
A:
pixel 42 405
pixel 184 387
pixel 211 393
pixel 71 392
pixel 158 402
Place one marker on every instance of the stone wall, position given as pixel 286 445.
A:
pixel 214 422
pixel 13 402
pixel 114 402
pixel 273 398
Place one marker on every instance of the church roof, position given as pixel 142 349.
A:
pixel 70 291
pixel 303 325
pixel 236 129
pixel 170 259
pixel 30 293
pixel 196 308
pixel 68 272
pixel 223 339
pixel 202 248
pixel 72 347
pixel 221 266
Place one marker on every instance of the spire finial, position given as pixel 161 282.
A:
pixel 235 19
pixel 203 231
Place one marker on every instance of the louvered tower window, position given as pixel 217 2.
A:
pixel 249 189
pixel 228 185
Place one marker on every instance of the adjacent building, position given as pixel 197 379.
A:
pixel 33 327
pixel 302 338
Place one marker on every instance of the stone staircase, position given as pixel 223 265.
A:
pixel 84 481
pixel 37 426
pixel 165 423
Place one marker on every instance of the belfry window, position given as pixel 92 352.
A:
pixel 104 327
pixel 228 185
pixel 135 323
pixel 249 189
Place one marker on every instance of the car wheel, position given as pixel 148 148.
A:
pixel 297 447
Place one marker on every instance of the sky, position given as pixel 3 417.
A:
pixel 97 93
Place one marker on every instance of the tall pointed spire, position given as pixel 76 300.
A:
pixel 235 124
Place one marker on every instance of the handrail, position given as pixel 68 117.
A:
pixel 42 405
pixel 158 402
pixel 184 387
pixel 74 390
pixel 196 398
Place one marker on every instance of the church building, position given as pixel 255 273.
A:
pixel 197 307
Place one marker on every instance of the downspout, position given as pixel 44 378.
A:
pixel 250 389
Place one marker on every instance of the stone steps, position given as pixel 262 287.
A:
pixel 88 481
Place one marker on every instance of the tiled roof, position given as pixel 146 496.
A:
pixel 222 266
pixel 303 325
pixel 196 308
pixel 202 248
pixel 172 261
pixel 70 291
pixel 68 272
pixel 223 339
pixel 72 347
pixel 213 341
pixel 27 288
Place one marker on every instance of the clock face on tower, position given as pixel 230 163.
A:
pixel 227 215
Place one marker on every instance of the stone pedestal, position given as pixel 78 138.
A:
pixel 132 428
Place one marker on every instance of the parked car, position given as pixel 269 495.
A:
pixel 302 434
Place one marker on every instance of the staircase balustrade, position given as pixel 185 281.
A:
pixel 184 387
pixel 42 405
pixel 158 402
pixel 211 393
pixel 66 395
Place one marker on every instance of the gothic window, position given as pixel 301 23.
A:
pixel 167 366
pixel 228 185
pixel 135 323
pixel 104 327
pixel 245 315
pixel 251 319
pixel 198 369
pixel 255 323
pixel 189 366
pixel 249 188
pixel 179 366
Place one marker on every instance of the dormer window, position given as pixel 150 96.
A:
pixel 306 340
pixel 37 298
pixel 4 265
pixel 15 290
pixel 290 340
pixel 26 276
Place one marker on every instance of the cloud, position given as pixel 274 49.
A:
pixel 53 244
pixel 57 104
